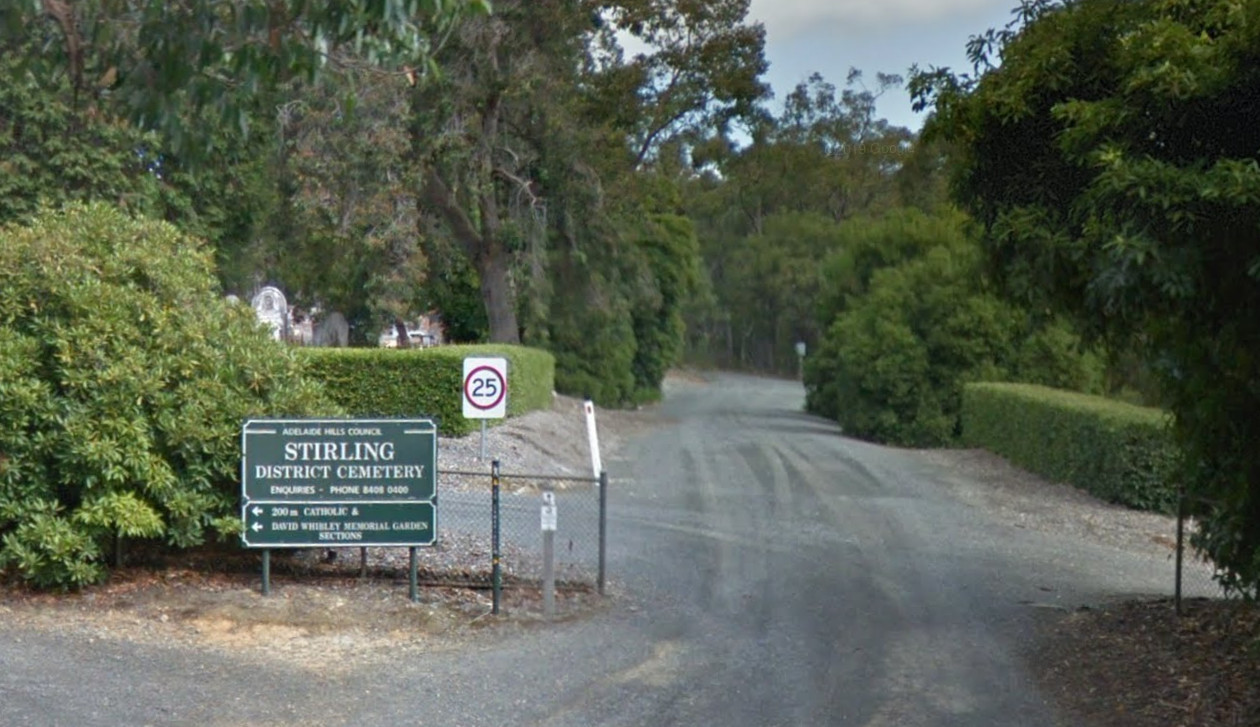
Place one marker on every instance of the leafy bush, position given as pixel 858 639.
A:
pixel 598 365
pixel 1119 452
pixel 124 379
pixel 386 382
pixel 59 152
pixel 892 365
pixel 865 246
pixel 1112 157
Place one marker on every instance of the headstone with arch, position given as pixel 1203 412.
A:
pixel 272 308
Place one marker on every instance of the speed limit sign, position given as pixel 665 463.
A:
pixel 485 388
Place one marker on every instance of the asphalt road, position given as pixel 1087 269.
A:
pixel 767 571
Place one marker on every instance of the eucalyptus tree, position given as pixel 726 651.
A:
pixel 697 72
pixel 61 144
pixel 343 233
pixel 474 135
pixel 539 144
pixel 769 211
pixel 158 59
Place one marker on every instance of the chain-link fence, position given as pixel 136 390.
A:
pixel 492 529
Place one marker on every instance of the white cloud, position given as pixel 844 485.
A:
pixel 785 19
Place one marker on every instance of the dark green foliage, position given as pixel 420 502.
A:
pixel 1113 159
pixel 386 382
pixel 592 335
pixel 124 379
pixel 773 280
pixel 671 256
pixel 451 287
pixel 892 365
pixel 155 60
pixel 54 151
pixel 1118 452
pixel 768 212
pixel 50 151
pixel 613 318
pixel 866 245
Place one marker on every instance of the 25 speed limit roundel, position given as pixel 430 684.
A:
pixel 485 388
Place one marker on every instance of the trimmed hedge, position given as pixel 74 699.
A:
pixel 386 382
pixel 1113 450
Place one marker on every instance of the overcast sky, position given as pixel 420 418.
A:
pixel 832 36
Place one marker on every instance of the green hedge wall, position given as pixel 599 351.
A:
pixel 386 382
pixel 1113 450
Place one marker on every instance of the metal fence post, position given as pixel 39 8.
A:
pixel 603 526
pixel 413 586
pixel 495 555
pixel 1181 545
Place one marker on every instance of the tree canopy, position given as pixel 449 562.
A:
pixel 767 212
pixel 1114 161
pixel 157 59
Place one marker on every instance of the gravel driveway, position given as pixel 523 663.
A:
pixel 767 571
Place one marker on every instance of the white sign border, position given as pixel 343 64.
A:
pixel 472 364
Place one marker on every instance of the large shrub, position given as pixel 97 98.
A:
pixel 891 367
pixel 124 379
pixel 612 313
pixel 592 335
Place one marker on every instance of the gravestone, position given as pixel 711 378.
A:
pixel 333 331
pixel 272 308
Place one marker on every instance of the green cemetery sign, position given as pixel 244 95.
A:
pixel 338 482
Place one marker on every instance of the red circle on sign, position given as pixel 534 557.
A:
pixel 472 376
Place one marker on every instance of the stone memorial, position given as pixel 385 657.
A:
pixel 272 308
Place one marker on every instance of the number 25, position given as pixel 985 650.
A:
pixel 485 387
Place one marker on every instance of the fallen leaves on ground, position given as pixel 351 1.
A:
pixel 1139 664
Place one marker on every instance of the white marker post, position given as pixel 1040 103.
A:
pixel 549 519
pixel 596 466
pixel 485 391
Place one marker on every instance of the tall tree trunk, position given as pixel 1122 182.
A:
pixel 486 252
pixel 497 293
pixel 401 334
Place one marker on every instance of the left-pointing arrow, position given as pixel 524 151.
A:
pixel 257 511
pixel 256 527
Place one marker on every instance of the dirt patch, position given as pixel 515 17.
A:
pixel 312 613
pixel 550 442
pixel 1139 664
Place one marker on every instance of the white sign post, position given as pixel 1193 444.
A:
pixel 592 434
pixel 549 552
pixel 485 391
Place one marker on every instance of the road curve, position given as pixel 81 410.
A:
pixel 767 571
